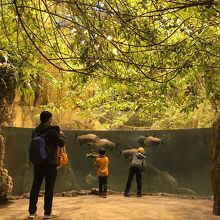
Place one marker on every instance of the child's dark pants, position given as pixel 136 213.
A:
pixel 102 184
pixel 137 171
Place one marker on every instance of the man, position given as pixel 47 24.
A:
pixel 136 167
pixel 47 169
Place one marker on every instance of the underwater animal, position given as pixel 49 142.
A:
pixel 128 153
pixel 149 140
pixel 90 179
pixel 187 191
pixel 87 139
pixel 141 140
pixel 103 143
pixel 170 180
pixel 165 178
pixel 92 155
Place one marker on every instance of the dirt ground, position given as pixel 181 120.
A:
pixel 117 207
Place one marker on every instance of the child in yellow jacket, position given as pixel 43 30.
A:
pixel 101 164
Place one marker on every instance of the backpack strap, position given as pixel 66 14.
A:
pixel 36 133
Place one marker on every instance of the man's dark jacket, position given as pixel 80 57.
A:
pixel 54 139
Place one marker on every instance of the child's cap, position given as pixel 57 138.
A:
pixel 141 150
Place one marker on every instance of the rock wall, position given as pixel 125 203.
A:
pixel 6 183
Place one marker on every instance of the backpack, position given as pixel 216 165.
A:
pixel 37 149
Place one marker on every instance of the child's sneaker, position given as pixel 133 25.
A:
pixel 52 215
pixel 32 216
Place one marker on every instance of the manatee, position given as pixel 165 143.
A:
pixel 90 179
pixel 128 152
pixel 149 141
pixel 87 139
pixel 187 191
pixel 92 155
pixel 170 180
pixel 165 178
pixel 103 143
pixel 141 140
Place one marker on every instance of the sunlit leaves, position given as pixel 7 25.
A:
pixel 128 58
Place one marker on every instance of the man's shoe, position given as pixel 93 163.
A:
pixel 52 215
pixel 138 195
pixel 104 195
pixel 32 216
pixel 127 194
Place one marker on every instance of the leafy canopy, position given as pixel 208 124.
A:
pixel 134 58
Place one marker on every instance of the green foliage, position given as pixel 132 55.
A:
pixel 8 83
pixel 121 60
pixel 30 66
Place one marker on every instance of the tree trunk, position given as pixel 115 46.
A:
pixel 215 172
pixel 2 151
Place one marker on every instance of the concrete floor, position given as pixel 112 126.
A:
pixel 117 207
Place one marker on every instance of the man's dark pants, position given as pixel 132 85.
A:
pixel 134 170
pixel 48 172
pixel 102 184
